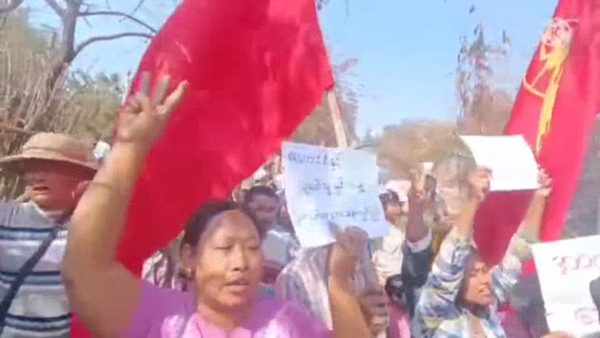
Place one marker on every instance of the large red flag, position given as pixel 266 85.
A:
pixel 554 110
pixel 256 69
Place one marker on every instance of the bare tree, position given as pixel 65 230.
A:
pixel 402 146
pixel 67 48
pixel 10 6
pixel 79 104
pixel 474 88
pixel 64 46
pixel 482 108
pixel 317 127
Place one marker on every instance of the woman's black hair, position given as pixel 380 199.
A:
pixel 197 224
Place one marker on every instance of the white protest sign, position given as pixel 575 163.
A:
pixel 324 185
pixel 565 269
pixel 509 157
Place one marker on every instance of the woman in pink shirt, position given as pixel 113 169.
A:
pixel 225 258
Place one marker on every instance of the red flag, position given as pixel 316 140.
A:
pixel 256 69
pixel 554 110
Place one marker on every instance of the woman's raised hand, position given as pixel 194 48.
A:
pixel 417 192
pixel 144 117
pixel 347 251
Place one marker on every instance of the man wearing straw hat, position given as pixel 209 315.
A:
pixel 33 234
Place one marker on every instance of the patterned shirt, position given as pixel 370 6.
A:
pixel 162 271
pixel 416 266
pixel 437 312
pixel 305 281
pixel 41 307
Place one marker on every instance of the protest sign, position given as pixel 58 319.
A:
pixel 565 270
pixel 509 157
pixel 324 185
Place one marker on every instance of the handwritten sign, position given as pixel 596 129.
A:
pixel 509 157
pixel 324 185
pixel 566 269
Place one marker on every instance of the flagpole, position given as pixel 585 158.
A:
pixel 368 269
pixel 128 81
pixel 336 117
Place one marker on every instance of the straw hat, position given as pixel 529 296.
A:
pixel 52 147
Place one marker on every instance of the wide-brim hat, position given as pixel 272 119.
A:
pixel 55 148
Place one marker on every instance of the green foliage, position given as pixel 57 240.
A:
pixel 16 31
pixel 96 102
pixel 81 104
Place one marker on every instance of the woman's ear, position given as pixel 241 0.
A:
pixel 188 258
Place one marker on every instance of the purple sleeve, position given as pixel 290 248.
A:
pixel 157 308
pixel 305 325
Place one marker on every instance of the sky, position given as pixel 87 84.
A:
pixel 407 50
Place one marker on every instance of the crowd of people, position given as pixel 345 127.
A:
pixel 241 271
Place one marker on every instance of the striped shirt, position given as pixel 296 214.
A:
pixel 40 307
pixel 305 281
pixel 437 313
pixel 163 271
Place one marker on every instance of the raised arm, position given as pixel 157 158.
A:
pixel 102 292
pixel 438 297
pixel 417 247
pixel 347 315
pixel 507 273
pixel 416 230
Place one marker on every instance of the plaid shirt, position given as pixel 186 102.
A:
pixel 437 312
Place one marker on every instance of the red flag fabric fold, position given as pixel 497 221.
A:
pixel 256 69
pixel 562 86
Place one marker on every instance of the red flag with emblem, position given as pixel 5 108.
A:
pixel 256 69
pixel 554 110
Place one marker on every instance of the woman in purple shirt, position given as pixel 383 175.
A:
pixel 225 258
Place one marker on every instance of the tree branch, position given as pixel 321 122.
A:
pixel 6 127
pixel 137 7
pixel 121 14
pixel 11 6
pixel 95 39
pixel 56 8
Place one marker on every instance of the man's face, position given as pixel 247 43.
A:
pixel 477 283
pixel 54 186
pixel 393 211
pixel 264 209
